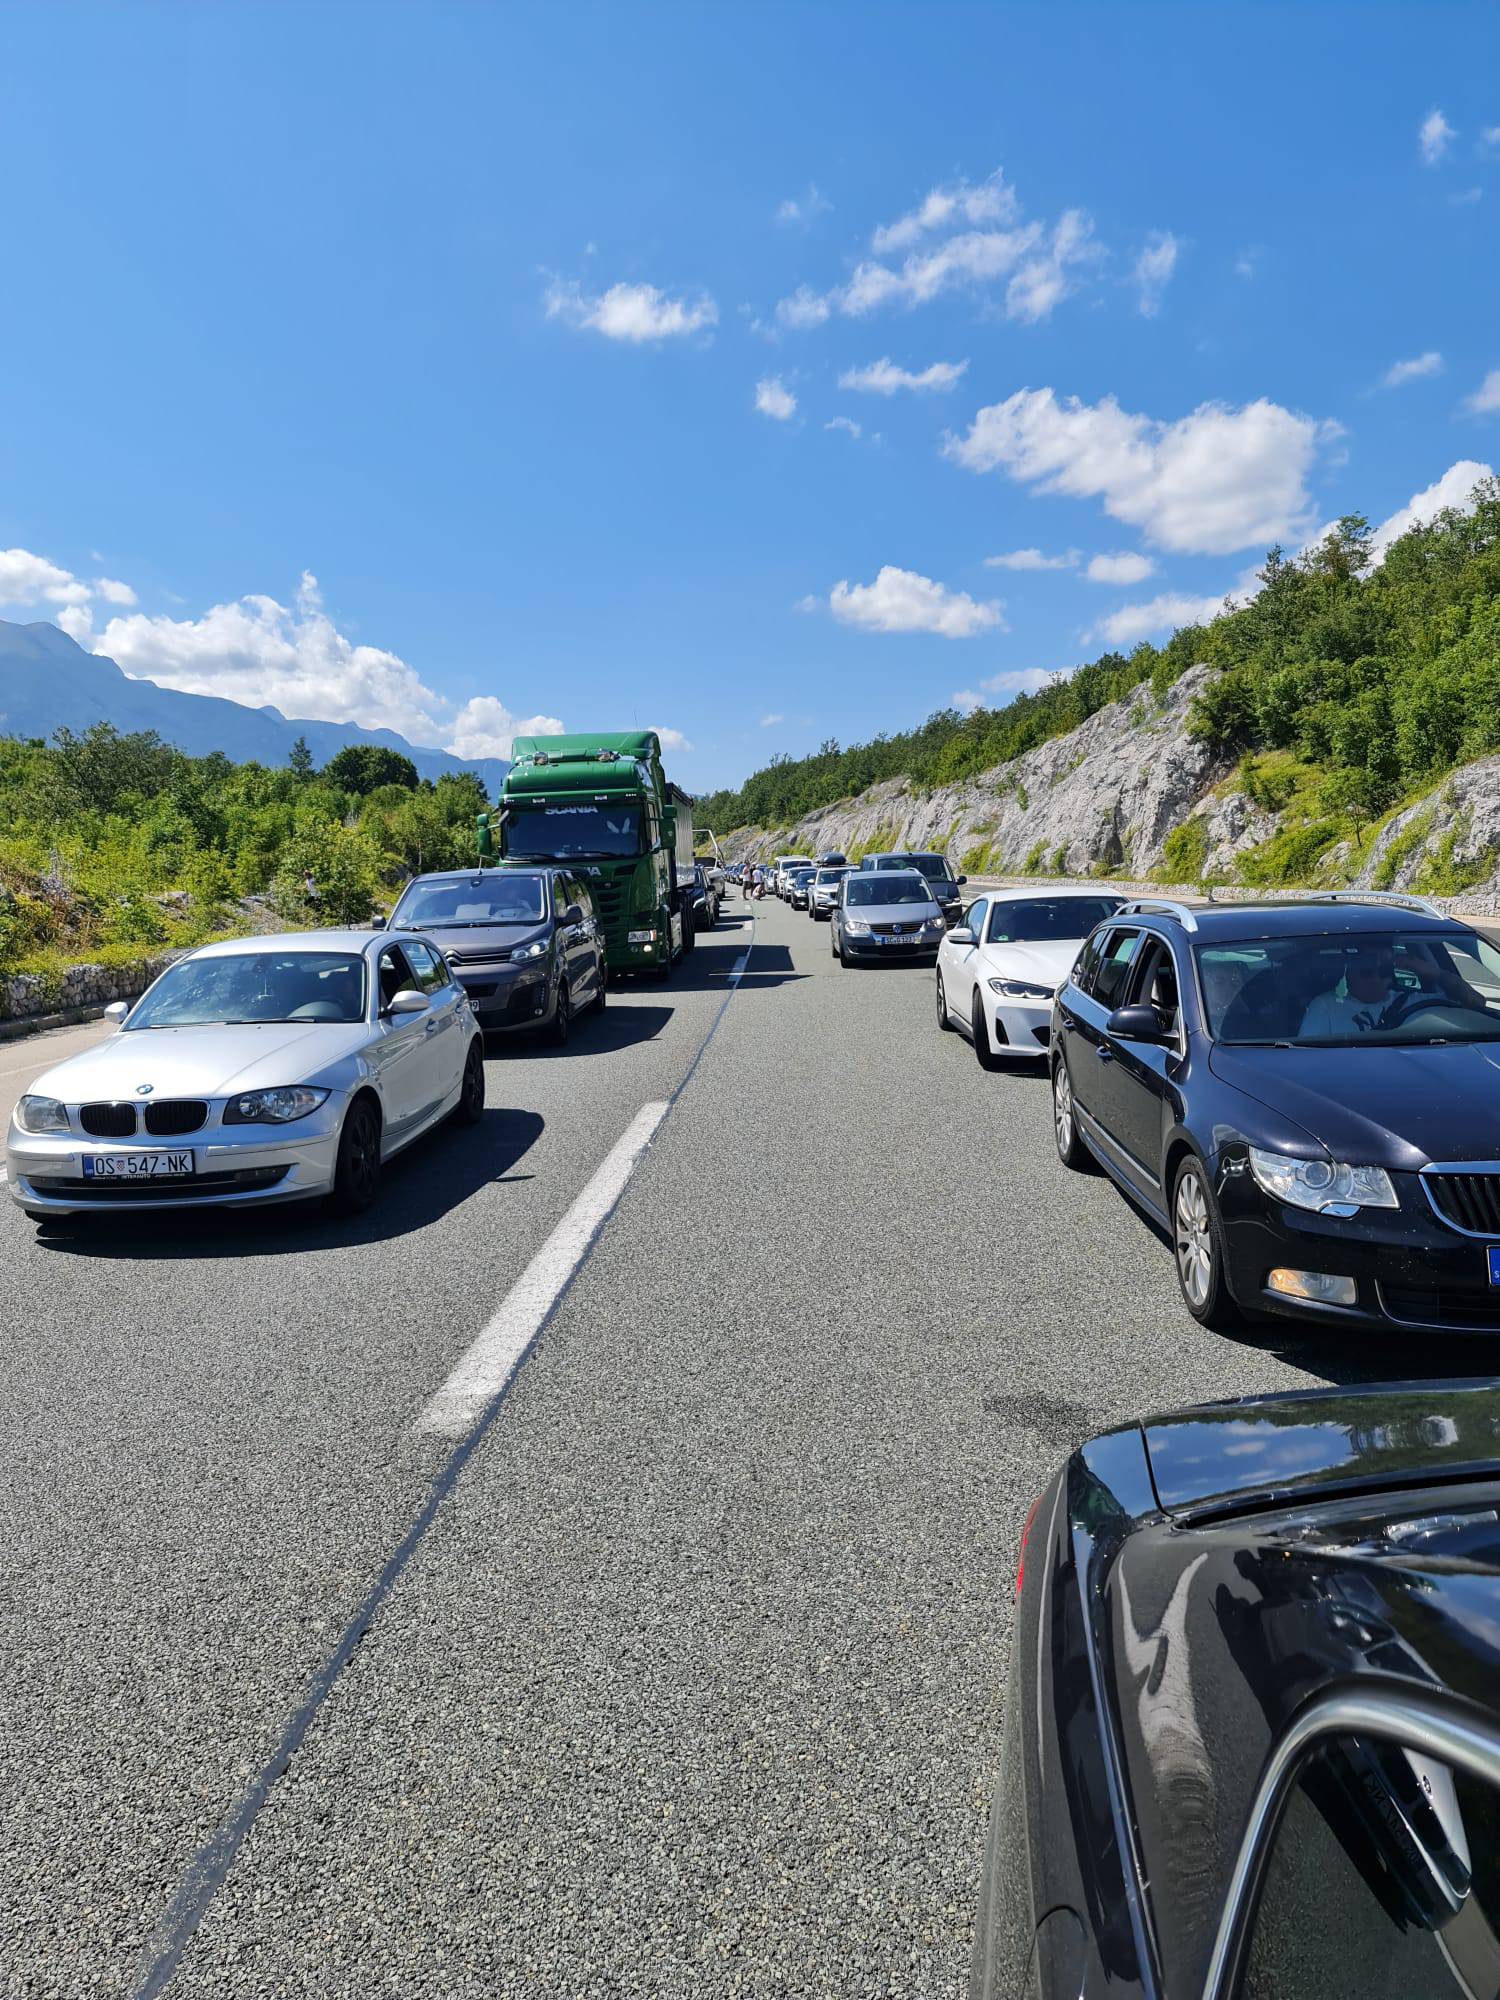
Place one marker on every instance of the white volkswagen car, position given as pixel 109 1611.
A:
pixel 999 967
pixel 262 1070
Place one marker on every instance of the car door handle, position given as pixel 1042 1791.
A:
pixel 432 1027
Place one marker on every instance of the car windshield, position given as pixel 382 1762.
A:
pixel 494 897
pixel 569 832
pixel 827 875
pixel 803 874
pixel 255 986
pixel 931 865
pixel 1401 988
pixel 886 889
pixel 1049 919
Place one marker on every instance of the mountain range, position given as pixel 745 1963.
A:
pixel 48 682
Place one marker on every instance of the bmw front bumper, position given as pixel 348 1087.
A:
pixel 1020 1029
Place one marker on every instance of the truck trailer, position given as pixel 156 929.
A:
pixel 604 806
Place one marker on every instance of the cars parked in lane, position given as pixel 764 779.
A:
pixel 889 917
pixel 524 943
pixel 258 1071
pixel 1305 1095
pixel 799 883
pixel 998 970
pixel 783 863
pixel 703 896
pixel 1251 1742
pixel 825 890
pixel 945 885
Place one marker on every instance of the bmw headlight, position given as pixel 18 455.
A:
pixel 273 1107
pixel 1321 1183
pixel 1020 989
pixel 537 948
pixel 857 925
pixel 41 1114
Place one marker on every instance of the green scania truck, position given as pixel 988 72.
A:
pixel 603 806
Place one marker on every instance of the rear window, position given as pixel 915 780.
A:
pixel 886 889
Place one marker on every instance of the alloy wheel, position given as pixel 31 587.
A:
pixel 1062 1109
pixel 1193 1239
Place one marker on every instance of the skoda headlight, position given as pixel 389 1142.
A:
pixel 1321 1183
pixel 273 1107
pixel 41 1114
pixel 537 948
pixel 857 925
pixel 1020 989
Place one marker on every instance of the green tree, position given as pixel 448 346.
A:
pixel 362 767
pixel 300 759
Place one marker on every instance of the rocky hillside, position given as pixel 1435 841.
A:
pixel 1132 794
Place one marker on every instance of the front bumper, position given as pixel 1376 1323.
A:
pixel 1020 1029
pixel 238 1166
pixel 506 998
pixel 897 951
pixel 1413 1273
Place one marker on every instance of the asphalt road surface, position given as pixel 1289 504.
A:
pixel 682 1673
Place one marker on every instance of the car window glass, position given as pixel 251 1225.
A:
pixel 976 916
pixel 1155 983
pixel 1110 972
pixel 396 976
pixel 1383 1882
pixel 430 973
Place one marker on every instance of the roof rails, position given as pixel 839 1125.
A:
pixel 1159 906
pixel 1423 903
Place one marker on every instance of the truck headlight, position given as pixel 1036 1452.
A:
pixel 41 1114
pixel 1319 1184
pixel 273 1107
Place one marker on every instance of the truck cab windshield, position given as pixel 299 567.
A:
pixel 572 832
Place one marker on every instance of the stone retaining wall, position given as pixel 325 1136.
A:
pixel 79 988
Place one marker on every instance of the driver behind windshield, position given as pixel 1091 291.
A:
pixel 1372 994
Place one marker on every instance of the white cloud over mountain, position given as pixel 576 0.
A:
pixel 1215 480
pixel 1003 687
pixel 485 727
pixel 899 600
pixel 1134 622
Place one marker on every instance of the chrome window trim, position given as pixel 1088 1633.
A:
pixel 1459 1167
pixel 1407 1716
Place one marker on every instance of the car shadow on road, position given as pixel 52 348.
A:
pixel 589 1035
pixel 419 1187
pixel 708 966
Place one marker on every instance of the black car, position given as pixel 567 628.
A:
pixel 703 896
pixel 799 883
pixel 524 943
pixel 1306 1095
pixel 1251 1742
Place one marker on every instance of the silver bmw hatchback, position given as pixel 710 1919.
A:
pixel 261 1070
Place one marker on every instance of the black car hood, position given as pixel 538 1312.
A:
pixel 1390 1107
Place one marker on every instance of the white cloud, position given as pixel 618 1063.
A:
pixel 1434 137
pixel 991 201
pixel 901 601
pixel 1484 402
pixel 113 591
pixel 1021 680
pixel 770 721
pixel 803 309
pixel 78 622
pixel 29 579
pixel 1126 567
pixel 671 739
pixel 843 424
pixel 1045 280
pixel 1466 197
pixel 774 399
pixel 884 378
pixel 1215 480
pixel 803 208
pixel 1153 270
pixel 1401 372
pixel 1452 490
pixel 1133 622
pixel 1247 264
pixel 1033 559
pixel 485 727
pixel 634 313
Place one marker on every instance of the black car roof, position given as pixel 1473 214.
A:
pixel 1231 922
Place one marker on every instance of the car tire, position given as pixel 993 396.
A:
pixel 470 1106
pixel 979 1034
pixel 1070 1147
pixel 356 1175
pixel 560 1026
pixel 1198 1249
pixel 843 958
pixel 601 996
pixel 945 1020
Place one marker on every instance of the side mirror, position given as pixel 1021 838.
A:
pixel 1136 1024
pixel 116 1011
pixel 407 1001
pixel 961 880
pixel 378 923
pixel 962 934
pixel 573 914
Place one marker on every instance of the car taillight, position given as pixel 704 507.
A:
pixel 1025 1532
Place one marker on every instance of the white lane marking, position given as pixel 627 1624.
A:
pixel 737 969
pixel 487 1365
pixel 4 1175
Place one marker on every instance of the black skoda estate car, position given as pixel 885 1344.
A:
pixel 1251 1744
pixel 1306 1095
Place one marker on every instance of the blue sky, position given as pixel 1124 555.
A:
pixel 471 315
